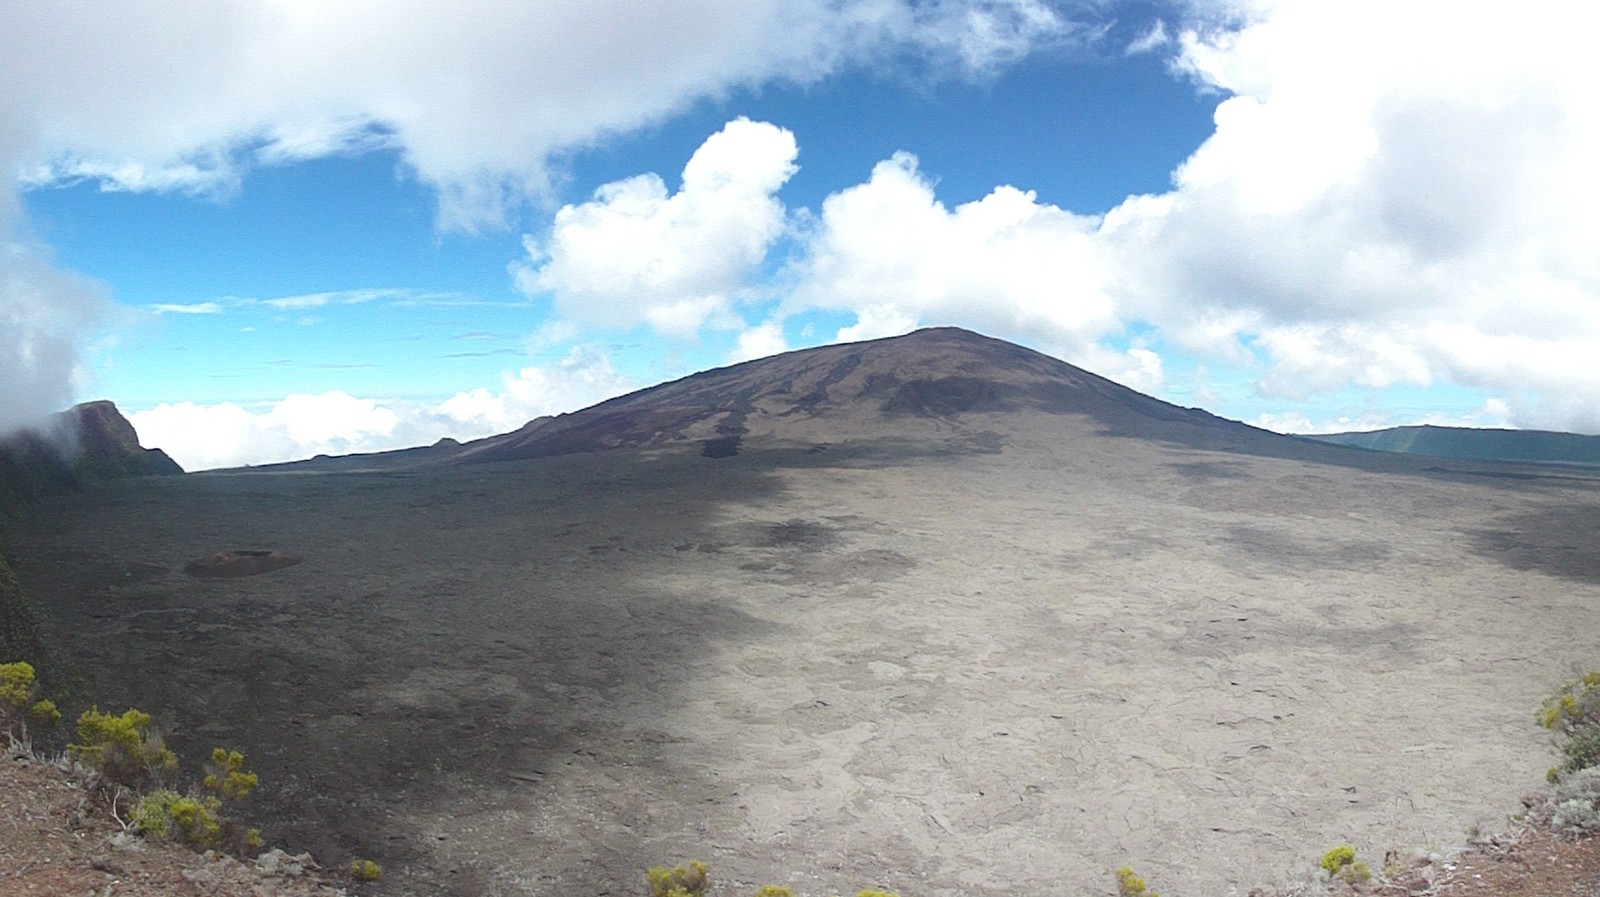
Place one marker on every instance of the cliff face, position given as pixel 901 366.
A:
pixel 88 443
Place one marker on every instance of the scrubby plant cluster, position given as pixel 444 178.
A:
pixel 1129 884
pixel 128 755
pixel 690 880
pixel 1573 713
pixel 1341 864
pixel 365 870
pixel 693 879
pixel 122 749
pixel 1574 803
pixel 196 819
pixel 20 703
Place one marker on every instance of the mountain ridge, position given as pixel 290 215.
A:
pixel 1475 444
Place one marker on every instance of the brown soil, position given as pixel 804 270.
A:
pixel 58 840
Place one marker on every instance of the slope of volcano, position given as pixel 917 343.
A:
pixel 937 615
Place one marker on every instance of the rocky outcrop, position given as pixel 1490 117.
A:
pixel 88 443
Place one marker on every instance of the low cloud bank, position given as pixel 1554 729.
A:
pixel 227 434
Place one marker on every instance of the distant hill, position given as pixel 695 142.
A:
pixel 1476 445
pixel 87 443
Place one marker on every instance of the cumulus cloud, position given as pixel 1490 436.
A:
pixel 228 434
pixel 891 252
pixel 637 254
pixel 1381 205
pixel 759 342
pixel 583 378
pixel 299 426
pixel 475 95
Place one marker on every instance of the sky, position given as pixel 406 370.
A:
pixel 269 229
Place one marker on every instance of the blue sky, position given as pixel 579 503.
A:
pixel 271 230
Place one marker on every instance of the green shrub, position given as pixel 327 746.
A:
pixel 870 893
pixel 197 820
pixel 19 702
pixel 774 891
pixel 1574 804
pixel 365 870
pixel 1582 750
pixel 225 775
pixel 122 749
pixel 1573 713
pixel 1129 884
pixel 166 814
pixel 1341 863
pixel 693 880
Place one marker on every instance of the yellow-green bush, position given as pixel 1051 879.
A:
pixel 226 777
pixel 19 703
pixel 774 891
pixel 1573 713
pixel 1129 884
pixel 1341 863
pixel 166 814
pixel 692 880
pixel 365 870
pixel 122 749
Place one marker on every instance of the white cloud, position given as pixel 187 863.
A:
pixel 200 437
pixel 189 308
pixel 759 342
pixel 585 377
pixel 335 297
pixel 1393 195
pixel 1154 38
pixel 46 314
pixel 636 253
pixel 299 426
pixel 876 322
pixel 476 95
pixel 1007 264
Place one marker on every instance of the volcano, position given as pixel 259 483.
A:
pixel 941 384
pixel 934 614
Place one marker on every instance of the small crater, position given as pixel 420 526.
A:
pixel 240 563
